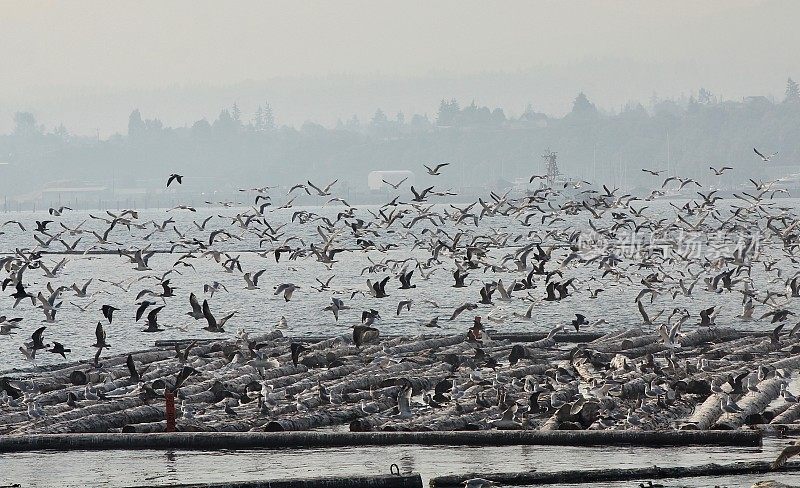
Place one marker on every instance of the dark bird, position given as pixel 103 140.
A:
pixel 197 309
pixel 578 321
pixel 58 348
pixel 41 225
pixel 100 335
pixel 142 307
pixel 707 317
pixel 378 289
pixel 20 294
pixel 213 324
pixel 108 312
pixel 37 342
pixel 363 334
pixel 182 376
pixel 405 280
pixel 152 320
pixel 297 349
pixel 460 277
pixel 174 177
pixel 135 374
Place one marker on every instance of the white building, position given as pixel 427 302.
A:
pixel 375 179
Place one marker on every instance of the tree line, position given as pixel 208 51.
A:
pixel 485 146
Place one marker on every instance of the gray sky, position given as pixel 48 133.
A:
pixel 51 50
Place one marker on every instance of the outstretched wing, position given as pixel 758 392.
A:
pixel 787 452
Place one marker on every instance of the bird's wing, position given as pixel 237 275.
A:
pixel 787 452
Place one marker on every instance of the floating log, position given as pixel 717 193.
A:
pixel 615 474
pixel 257 440
pixel 409 480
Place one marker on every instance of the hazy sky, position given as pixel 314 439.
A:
pixel 734 46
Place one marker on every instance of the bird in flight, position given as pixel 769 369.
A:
pixel 766 159
pixel 719 172
pixel 435 170
pixel 396 185
pixel 174 177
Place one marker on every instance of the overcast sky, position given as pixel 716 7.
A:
pixel 49 48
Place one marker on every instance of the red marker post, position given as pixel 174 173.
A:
pixel 170 400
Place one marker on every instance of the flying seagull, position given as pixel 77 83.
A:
pixel 435 170
pixel 174 177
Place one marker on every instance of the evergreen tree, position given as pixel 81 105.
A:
pixel 582 105
pixel 135 124
pixel 792 92
pixel 25 124
pixel 448 110
pixel 269 118
pixel 236 114
pixel 258 120
pixel 379 119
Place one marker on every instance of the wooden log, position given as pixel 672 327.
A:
pixel 615 336
pixel 750 404
pixel 788 416
pixel 706 415
pixel 409 480
pixel 634 342
pixel 613 474
pixel 258 440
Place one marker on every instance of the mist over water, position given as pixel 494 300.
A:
pixel 647 153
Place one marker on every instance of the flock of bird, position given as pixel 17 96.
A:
pixel 535 243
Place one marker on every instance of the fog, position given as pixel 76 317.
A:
pixel 286 90
pixel 87 64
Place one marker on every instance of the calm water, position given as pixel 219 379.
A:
pixel 259 310
pixel 156 468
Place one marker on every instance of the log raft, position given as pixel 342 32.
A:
pixel 596 384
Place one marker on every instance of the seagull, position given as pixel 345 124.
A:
pixel 213 324
pixel 478 483
pixel 325 191
pixel 81 292
pixel 213 287
pixel 578 321
pixel 404 304
pixel 37 342
pixel 252 279
pixel 58 348
pixel 719 172
pixel 287 289
pixel 152 320
pixel 197 309
pixel 462 308
pixel 766 159
pixel 336 305
pixel 56 212
pixel 108 312
pixel 396 185
pixel 435 170
pixel 174 177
